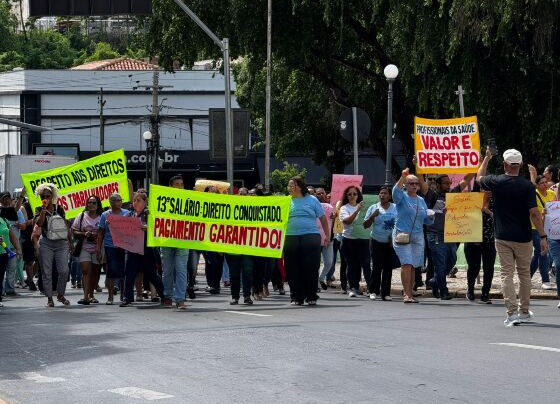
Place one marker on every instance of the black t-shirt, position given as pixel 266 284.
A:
pixel 9 213
pixel 436 201
pixel 513 197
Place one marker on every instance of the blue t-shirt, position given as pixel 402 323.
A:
pixel 406 211
pixel 303 216
pixel 384 223
pixel 107 239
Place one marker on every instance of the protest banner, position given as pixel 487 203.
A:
pixel 127 233
pixel 446 146
pixel 215 222
pixel 552 220
pixel 103 176
pixel 339 183
pixel 463 218
pixel 358 231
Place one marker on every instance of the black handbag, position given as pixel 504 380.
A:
pixel 78 246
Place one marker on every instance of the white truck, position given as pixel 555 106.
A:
pixel 11 166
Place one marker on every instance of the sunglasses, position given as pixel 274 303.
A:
pixel 92 203
pixel 352 194
pixel 46 195
pixel 117 200
pixel 413 183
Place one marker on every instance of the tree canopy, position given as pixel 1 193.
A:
pixel 330 54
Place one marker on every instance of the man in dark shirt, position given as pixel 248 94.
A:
pixel 515 207
pixel 444 255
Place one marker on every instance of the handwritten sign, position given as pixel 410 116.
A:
pixel 552 220
pixel 339 183
pixel 446 146
pixel 463 219
pixel 358 231
pixel 127 233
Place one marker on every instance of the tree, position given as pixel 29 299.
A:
pixel 280 178
pixel 504 53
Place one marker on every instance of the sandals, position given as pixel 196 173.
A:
pixel 50 303
pixel 94 300
pixel 109 302
pixel 63 300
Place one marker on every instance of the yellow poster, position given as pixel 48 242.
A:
pixel 446 146
pixel 463 219
pixel 250 225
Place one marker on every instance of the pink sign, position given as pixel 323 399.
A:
pixel 457 178
pixel 340 182
pixel 127 233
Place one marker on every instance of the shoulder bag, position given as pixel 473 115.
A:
pixel 78 246
pixel 402 237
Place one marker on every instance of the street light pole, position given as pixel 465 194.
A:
pixel 391 72
pixel 268 97
pixel 224 46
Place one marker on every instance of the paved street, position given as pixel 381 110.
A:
pixel 342 351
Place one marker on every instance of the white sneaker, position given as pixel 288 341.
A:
pixel 351 294
pixel 372 296
pixel 387 299
pixel 547 286
pixel 558 305
pixel 512 320
pixel 526 317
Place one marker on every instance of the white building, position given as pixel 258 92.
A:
pixel 67 101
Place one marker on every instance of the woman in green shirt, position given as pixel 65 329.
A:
pixel 7 240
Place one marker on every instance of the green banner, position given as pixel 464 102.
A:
pixel 250 225
pixel 358 230
pixel 102 176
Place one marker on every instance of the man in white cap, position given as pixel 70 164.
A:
pixel 515 208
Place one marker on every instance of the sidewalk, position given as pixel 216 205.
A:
pixel 458 286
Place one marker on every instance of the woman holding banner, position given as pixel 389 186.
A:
pixel 355 250
pixel 408 234
pixel 137 262
pixel 302 248
pixel 55 242
pixel 84 229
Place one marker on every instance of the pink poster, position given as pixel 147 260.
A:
pixel 340 182
pixel 456 179
pixel 127 233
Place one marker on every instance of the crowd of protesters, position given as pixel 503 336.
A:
pixel 407 231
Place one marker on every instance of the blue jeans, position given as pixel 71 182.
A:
pixel 444 257
pixel 75 270
pixel 10 276
pixel 539 261
pixel 554 248
pixel 174 277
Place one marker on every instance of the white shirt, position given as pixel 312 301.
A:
pixel 347 211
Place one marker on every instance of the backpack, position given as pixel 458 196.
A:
pixel 56 227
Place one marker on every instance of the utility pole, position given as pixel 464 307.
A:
pixel 460 93
pixel 155 127
pixel 224 47
pixel 268 97
pixel 101 122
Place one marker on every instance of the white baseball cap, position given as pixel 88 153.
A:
pixel 512 156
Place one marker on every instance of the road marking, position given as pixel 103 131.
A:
pixel 246 313
pixel 137 392
pixel 535 347
pixel 37 378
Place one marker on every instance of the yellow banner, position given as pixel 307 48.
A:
pixel 446 146
pixel 463 218
pixel 102 176
pixel 250 225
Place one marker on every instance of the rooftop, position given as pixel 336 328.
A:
pixel 123 63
